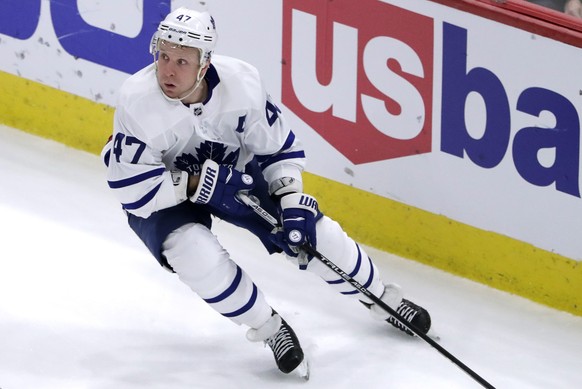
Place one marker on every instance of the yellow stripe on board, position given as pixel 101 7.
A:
pixel 489 258
pixel 492 259
pixel 54 114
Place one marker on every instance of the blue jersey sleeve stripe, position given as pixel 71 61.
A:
pixel 106 158
pixel 262 158
pixel 289 141
pixel 282 157
pixel 136 179
pixel 144 200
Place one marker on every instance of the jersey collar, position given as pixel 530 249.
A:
pixel 212 80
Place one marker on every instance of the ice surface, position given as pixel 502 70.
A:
pixel 84 305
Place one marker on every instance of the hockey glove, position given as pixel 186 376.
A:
pixel 218 187
pixel 299 213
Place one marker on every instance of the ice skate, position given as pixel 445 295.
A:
pixel 412 313
pixel 281 338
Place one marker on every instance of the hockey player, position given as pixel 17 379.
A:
pixel 191 131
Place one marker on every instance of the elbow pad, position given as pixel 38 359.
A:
pixel 284 186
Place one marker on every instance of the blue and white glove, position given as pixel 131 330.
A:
pixel 299 214
pixel 218 187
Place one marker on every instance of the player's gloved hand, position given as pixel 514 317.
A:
pixel 299 213
pixel 218 187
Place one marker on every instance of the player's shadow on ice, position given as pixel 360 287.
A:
pixel 152 359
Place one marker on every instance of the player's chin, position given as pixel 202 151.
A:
pixel 170 91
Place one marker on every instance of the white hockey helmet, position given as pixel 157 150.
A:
pixel 190 28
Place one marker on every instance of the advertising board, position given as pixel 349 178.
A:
pixel 441 115
pixel 456 137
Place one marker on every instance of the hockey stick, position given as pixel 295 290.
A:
pixel 346 277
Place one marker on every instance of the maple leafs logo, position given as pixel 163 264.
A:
pixel 207 150
pixel 188 163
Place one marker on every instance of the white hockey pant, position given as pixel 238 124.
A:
pixel 343 251
pixel 205 266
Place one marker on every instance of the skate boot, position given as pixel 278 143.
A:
pixel 281 338
pixel 412 313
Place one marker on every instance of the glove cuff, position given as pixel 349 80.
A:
pixel 301 201
pixel 180 181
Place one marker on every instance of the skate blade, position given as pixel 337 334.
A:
pixel 433 335
pixel 303 369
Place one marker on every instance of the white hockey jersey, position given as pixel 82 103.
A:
pixel 157 142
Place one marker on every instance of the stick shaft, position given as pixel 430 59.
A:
pixel 346 277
